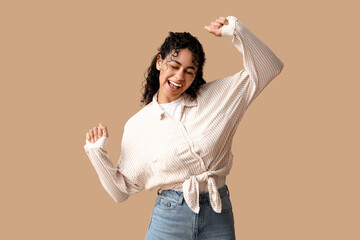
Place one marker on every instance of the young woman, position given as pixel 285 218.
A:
pixel 180 142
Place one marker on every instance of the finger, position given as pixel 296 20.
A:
pixel 213 27
pixel 212 30
pixel 104 129
pixel 216 25
pixel 209 29
pixel 87 136
pixel 91 133
pixel 222 20
pixel 100 132
pixel 95 130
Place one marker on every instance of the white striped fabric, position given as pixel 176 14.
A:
pixel 173 109
pixel 158 151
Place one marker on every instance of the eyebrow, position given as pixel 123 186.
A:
pixel 181 64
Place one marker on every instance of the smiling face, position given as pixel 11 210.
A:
pixel 177 73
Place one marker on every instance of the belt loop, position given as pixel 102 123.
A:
pixel 181 199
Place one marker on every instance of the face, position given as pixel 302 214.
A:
pixel 176 75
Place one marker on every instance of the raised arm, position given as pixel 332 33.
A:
pixel 118 186
pixel 260 63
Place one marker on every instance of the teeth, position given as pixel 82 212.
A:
pixel 175 84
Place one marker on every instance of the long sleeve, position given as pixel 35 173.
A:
pixel 260 63
pixel 114 182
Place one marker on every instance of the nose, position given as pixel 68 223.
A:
pixel 180 74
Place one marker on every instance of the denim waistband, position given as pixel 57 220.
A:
pixel 203 197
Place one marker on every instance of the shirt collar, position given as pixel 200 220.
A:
pixel 187 101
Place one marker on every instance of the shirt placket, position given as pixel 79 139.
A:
pixel 187 136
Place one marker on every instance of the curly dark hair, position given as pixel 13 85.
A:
pixel 175 41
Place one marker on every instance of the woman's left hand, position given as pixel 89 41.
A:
pixel 215 27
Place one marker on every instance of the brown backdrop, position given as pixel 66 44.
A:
pixel 68 65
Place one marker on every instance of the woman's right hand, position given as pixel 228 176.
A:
pixel 96 133
pixel 215 27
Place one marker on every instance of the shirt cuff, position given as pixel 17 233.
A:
pixel 100 143
pixel 228 30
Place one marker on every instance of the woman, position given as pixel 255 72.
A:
pixel 180 142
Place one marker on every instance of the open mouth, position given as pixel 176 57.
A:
pixel 173 85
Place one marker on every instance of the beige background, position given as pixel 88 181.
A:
pixel 68 65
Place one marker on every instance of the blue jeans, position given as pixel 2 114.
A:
pixel 173 219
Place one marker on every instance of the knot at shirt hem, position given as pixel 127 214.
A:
pixel 191 192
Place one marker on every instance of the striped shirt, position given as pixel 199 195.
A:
pixel 173 109
pixel 158 151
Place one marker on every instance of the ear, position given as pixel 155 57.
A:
pixel 158 62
